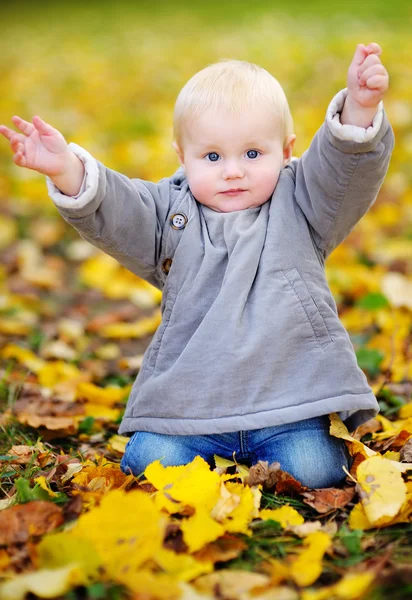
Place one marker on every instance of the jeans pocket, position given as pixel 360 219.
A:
pixel 309 306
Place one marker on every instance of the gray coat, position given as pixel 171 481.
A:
pixel 250 336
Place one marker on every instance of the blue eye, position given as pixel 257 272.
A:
pixel 252 153
pixel 213 156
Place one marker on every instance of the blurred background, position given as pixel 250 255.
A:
pixel 107 74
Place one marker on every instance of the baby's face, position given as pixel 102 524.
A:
pixel 232 162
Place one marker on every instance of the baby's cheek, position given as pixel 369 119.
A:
pixel 268 180
pixel 201 186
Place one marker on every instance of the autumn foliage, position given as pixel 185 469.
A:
pixel 74 325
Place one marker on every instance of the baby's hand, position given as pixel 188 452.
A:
pixel 367 77
pixel 39 147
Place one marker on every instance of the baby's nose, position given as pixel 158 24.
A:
pixel 232 170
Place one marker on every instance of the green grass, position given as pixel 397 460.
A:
pixel 106 12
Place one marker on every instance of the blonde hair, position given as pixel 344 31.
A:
pixel 235 85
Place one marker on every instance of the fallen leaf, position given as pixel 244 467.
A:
pixel 328 499
pixel 381 489
pixel 22 521
pixel 307 567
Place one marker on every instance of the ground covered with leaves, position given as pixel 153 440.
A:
pixel 74 326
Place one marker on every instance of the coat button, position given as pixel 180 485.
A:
pixel 167 263
pixel 178 221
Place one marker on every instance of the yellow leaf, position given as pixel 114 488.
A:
pixel 286 516
pixel 405 411
pixel 117 443
pixel 13 326
pixel 358 518
pixel 225 505
pixel 125 529
pixel 101 412
pixel 138 329
pixel 4 560
pixel 386 424
pixel 182 567
pixel 23 356
pixel 381 489
pixel 61 549
pixel 308 566
pixel 200 529
pixel 151 586
pixel 391 455
pixel 44 484
pixel 98 270
pixel 242 471
pixel 57 371
pixel 193 484
pixel 339 430
pixel 238 520
pixel 106 396
pixel 351 587
pixel 45 583
pixel 279 571
pixel 8 231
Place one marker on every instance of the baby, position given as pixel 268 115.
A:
pixel 250 356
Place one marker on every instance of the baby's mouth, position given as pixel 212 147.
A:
pixel 233 191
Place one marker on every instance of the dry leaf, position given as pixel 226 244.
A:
pixel 22 521
pixel 327 499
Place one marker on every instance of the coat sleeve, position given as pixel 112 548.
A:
pixel 123 217
pixel 338 178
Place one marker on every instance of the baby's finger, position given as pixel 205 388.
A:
pixel 360 54
pixel 43 127
pixel 24 126
pixel 19 159
pixel 6 131
pixel 369 61
pixel 371 72
pixel 16 143
pixel 377 82
pixel 373 48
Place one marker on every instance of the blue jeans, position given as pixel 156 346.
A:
pixel 305 449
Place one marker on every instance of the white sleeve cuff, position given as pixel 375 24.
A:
pixel 351 133
pixel 89 185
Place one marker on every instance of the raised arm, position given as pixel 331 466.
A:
pixel 339 176
pixel 42 148
pixel 121 216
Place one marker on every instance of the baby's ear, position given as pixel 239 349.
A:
pixel 288 148
pixel 178 152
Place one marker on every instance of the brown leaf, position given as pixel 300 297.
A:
pixel 224 548
pixel 357 459
pixel 54 408
pixel 173 539
pixel 230 583
pixel 370 426
pixel 328 499
pixel 288 484
pixel 18 557
pixel 146 486
pixel 22 454
pixel 396 442
pixel 20 522
pixel 124 313
pixel 67 424
pixel 263 473
pixel 406 451
pixel 73 508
